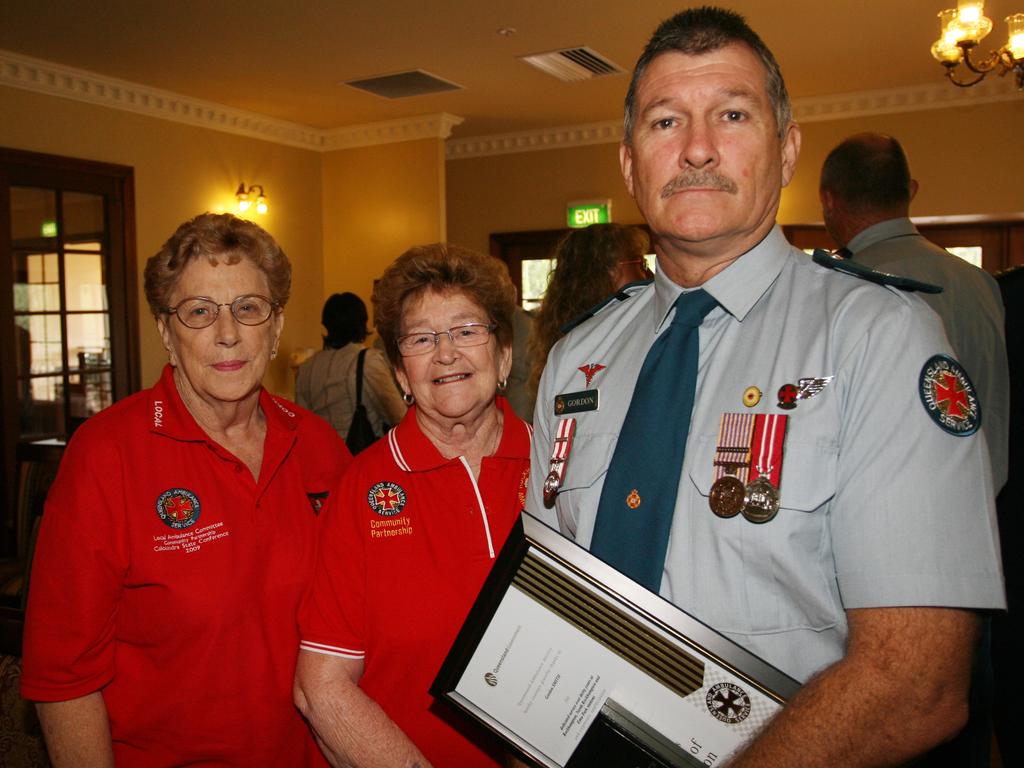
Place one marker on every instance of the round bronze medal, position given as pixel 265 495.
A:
pixel 761 501
pixel 726 497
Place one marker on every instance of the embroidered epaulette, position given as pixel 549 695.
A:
pixel 624 293
pixel 851 267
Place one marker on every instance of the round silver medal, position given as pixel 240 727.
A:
pixel 551 484
pixel 761 501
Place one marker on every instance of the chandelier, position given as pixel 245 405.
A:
pixel 962 28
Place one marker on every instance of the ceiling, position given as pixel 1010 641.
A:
pixel 288 60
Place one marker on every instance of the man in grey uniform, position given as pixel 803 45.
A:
pixel 865 192
pixel 882 541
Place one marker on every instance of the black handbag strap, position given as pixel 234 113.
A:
pixel 359 377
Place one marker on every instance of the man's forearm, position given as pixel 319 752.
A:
pixel 901 690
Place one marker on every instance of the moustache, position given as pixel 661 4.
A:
pixel 703 179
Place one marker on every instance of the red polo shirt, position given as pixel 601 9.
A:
pixel 168 578
pixel 405 545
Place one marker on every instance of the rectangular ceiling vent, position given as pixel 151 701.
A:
pixel 403 85
pixel 573 64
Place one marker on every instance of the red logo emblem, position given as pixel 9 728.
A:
pixel 178 508
pixel 386 499
pixel 787 396
pixel 949 397
pixel 590 370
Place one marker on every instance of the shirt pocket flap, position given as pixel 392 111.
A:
pixel 807 481
pixel 588 465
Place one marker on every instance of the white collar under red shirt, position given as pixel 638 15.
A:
pixel 413 451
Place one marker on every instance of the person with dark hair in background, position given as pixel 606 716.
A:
pixel 179 536
pixel 786 452
pixel 417 521
pixel 866 190
pixel 591 264
pixel 326 383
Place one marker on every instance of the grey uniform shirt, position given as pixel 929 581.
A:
pixel 879 505
pixel 971 309
pixel 326 385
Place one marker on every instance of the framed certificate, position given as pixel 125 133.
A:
pixel 562 653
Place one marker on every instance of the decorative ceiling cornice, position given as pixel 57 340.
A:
pixel 437 126
pixel 52 79
pixel 19 71
pixel 938 95
pixel 532 141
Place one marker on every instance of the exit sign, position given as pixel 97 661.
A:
pixel 583 213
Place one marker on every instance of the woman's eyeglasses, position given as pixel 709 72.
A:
pixel 197 312
pixel 468 335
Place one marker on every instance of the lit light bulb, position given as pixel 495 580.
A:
pixel 969 11
pixel 973 24
pixel 1015 24
pixel 261 204
pixel 945 49
pixel 243 198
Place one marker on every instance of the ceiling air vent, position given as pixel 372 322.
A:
pixel 402 85
pixel 572 64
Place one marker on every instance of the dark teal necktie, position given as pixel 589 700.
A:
pixel 639 495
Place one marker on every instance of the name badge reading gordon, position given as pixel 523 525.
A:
pixel 577 402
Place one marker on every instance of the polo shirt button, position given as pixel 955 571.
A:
pixel 238 467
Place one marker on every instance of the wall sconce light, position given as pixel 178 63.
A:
pixel 254 195
pixel 962 28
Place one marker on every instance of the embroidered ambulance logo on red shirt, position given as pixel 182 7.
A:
pixel 949 397
pixel 386 498
pixel 178 508
pixel 590 370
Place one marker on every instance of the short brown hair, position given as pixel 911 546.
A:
pixel 220 237
pixel 442 268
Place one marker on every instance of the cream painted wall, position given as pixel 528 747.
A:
pixel 967 159
pixel 378 202
pixel 529 190
pixel 181 171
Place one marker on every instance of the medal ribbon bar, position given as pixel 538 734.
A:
pixel 559 457
pixel 732 454
pixel 766 446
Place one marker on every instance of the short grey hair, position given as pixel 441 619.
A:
pixel 701 30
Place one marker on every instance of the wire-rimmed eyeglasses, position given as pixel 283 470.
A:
pixel 200 312
pixel 468 335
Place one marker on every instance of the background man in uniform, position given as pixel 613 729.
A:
pixel 860 580
pixel 865 193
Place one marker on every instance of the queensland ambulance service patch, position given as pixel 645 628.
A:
pixel 178 508
pixel 386 498
pixel 949 397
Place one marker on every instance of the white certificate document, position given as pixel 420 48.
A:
pixel 545 680
pixel 556 635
